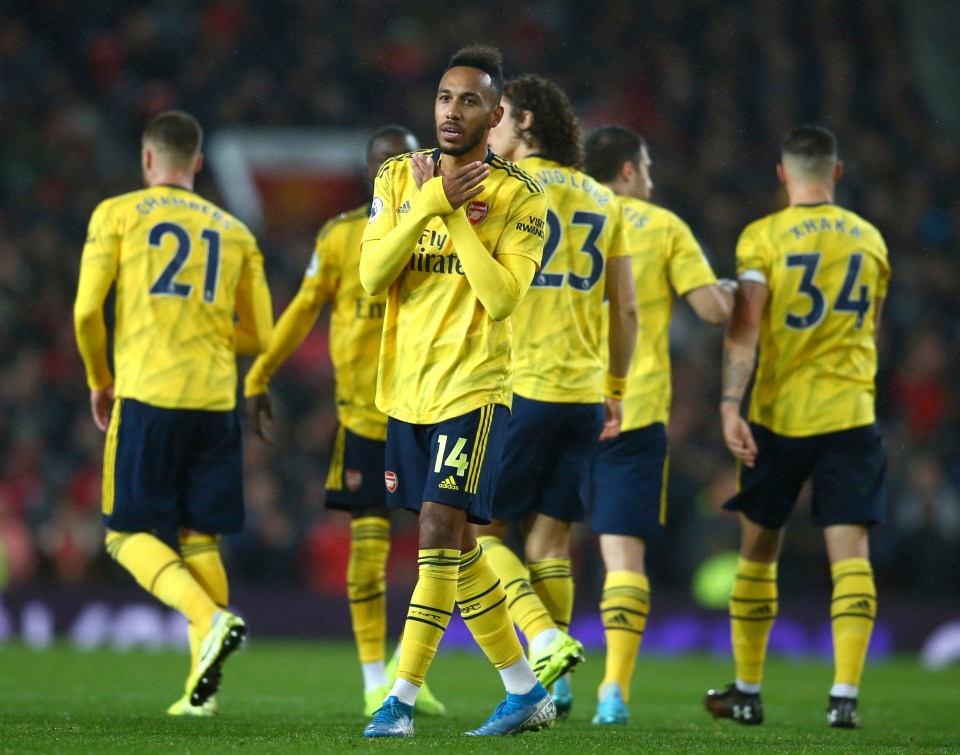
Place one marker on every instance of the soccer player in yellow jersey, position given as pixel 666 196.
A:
pixel 564 381
pixel 813 278
pixel 628 479
pixel 567 393
pixel 455 236
pixel 190 296
pixel 355 477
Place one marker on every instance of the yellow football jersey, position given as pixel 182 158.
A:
pixel 666 258
pixel 356 324
pixel 183 269
pixel 442 355
pixel 825 268
pixel 558 327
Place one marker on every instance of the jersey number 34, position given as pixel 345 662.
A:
pixel 852 299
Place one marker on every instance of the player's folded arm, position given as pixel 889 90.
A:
pixel 500 282
pixel 383 257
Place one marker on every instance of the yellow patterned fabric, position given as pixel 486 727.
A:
pixel 825 268
pixel 560 339
pixel 442 355
pixel 666 258
pixel 183 269
pixel 356 325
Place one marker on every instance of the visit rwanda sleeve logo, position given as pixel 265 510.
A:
pixel 376 208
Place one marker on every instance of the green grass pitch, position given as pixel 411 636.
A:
pixel 305 697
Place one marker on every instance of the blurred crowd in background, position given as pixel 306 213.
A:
pixel 712 85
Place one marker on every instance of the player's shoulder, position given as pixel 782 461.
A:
pixel 400 162
pixel 344 221
pixel 512 172
pixel 865 228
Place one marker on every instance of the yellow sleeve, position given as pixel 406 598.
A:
pixel 254 309
pixel 318 286
pixel 98 270
pixel 688 268
pixel 752 260
pixel 500 282
pixel 385 247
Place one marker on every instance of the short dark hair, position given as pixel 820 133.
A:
pixel 810 141
pixel 555 125
pixel 175 132
pixel 608 148
pixel 391 129
pixel 488 59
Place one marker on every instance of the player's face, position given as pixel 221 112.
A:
pixel 643 184
pixel 386 147
pixel 465 111
pixel 505 139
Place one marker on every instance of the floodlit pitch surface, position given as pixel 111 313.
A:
pixel 306 697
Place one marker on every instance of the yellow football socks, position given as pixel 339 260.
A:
pixel 753 609
pixel 483 606
pixel 201 555
pixel 367 585
pixel 526 609
pixel 624 605
pixel 552 579
pixel 852 613
pixel 161 572
pixel 430 609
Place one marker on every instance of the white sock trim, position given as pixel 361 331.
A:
pixel 405 691
pixel 844 690
pixel 374 675
pixel 748 688
pixel 518 678
pixel 543 639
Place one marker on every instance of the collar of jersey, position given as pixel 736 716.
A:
pixel 175 186
pixel 815 204
pixel 436 156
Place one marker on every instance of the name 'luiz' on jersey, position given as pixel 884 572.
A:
pixel 441 353
pixel 179 263
pixel 825 268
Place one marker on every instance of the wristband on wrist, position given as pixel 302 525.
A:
pixel 614 387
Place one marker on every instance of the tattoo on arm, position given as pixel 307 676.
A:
pixel 736 375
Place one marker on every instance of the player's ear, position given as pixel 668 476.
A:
pixel 146 157
pixel 496 115
pixel 198 163
pixel 526 120
pixel 838 171
pixel 627 171
pixel 781 173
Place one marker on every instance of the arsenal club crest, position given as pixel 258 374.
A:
pixel 354 479
pixel 477 211
pixel 390 478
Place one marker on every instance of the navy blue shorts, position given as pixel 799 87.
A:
pixel 628 484
pixel 847 468
pixel 171 468
pixel 546 460
pixel 454 462
pixel 355 477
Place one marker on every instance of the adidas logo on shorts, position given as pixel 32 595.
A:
pixel 449 484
